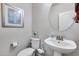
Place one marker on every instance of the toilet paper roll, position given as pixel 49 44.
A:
pixel 14 44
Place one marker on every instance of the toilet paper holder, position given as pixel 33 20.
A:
pixel 13 44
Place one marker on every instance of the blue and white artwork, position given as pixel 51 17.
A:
pixel 14 17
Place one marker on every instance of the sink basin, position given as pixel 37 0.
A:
pixel 65 46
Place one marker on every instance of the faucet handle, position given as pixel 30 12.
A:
pixel 59 38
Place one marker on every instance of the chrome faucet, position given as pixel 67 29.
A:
pixel 59 38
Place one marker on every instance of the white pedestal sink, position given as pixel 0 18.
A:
pixel 59 46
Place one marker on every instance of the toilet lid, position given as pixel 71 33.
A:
pixel 26 52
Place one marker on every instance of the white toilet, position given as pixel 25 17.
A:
pixel 30 51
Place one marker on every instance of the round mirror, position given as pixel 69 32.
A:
pixel 61 16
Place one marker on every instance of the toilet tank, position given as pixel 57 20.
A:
pixel 35 43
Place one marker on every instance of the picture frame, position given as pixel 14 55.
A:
pixel 12 17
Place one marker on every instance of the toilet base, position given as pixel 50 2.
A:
pixel 57 53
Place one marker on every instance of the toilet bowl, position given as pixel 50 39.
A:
pixel 30 51
pixel 26 52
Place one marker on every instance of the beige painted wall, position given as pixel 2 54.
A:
pixel 41 24
pixel 20 35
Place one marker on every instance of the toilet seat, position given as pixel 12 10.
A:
pixel 26 52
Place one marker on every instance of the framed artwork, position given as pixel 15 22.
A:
pixel 12 16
